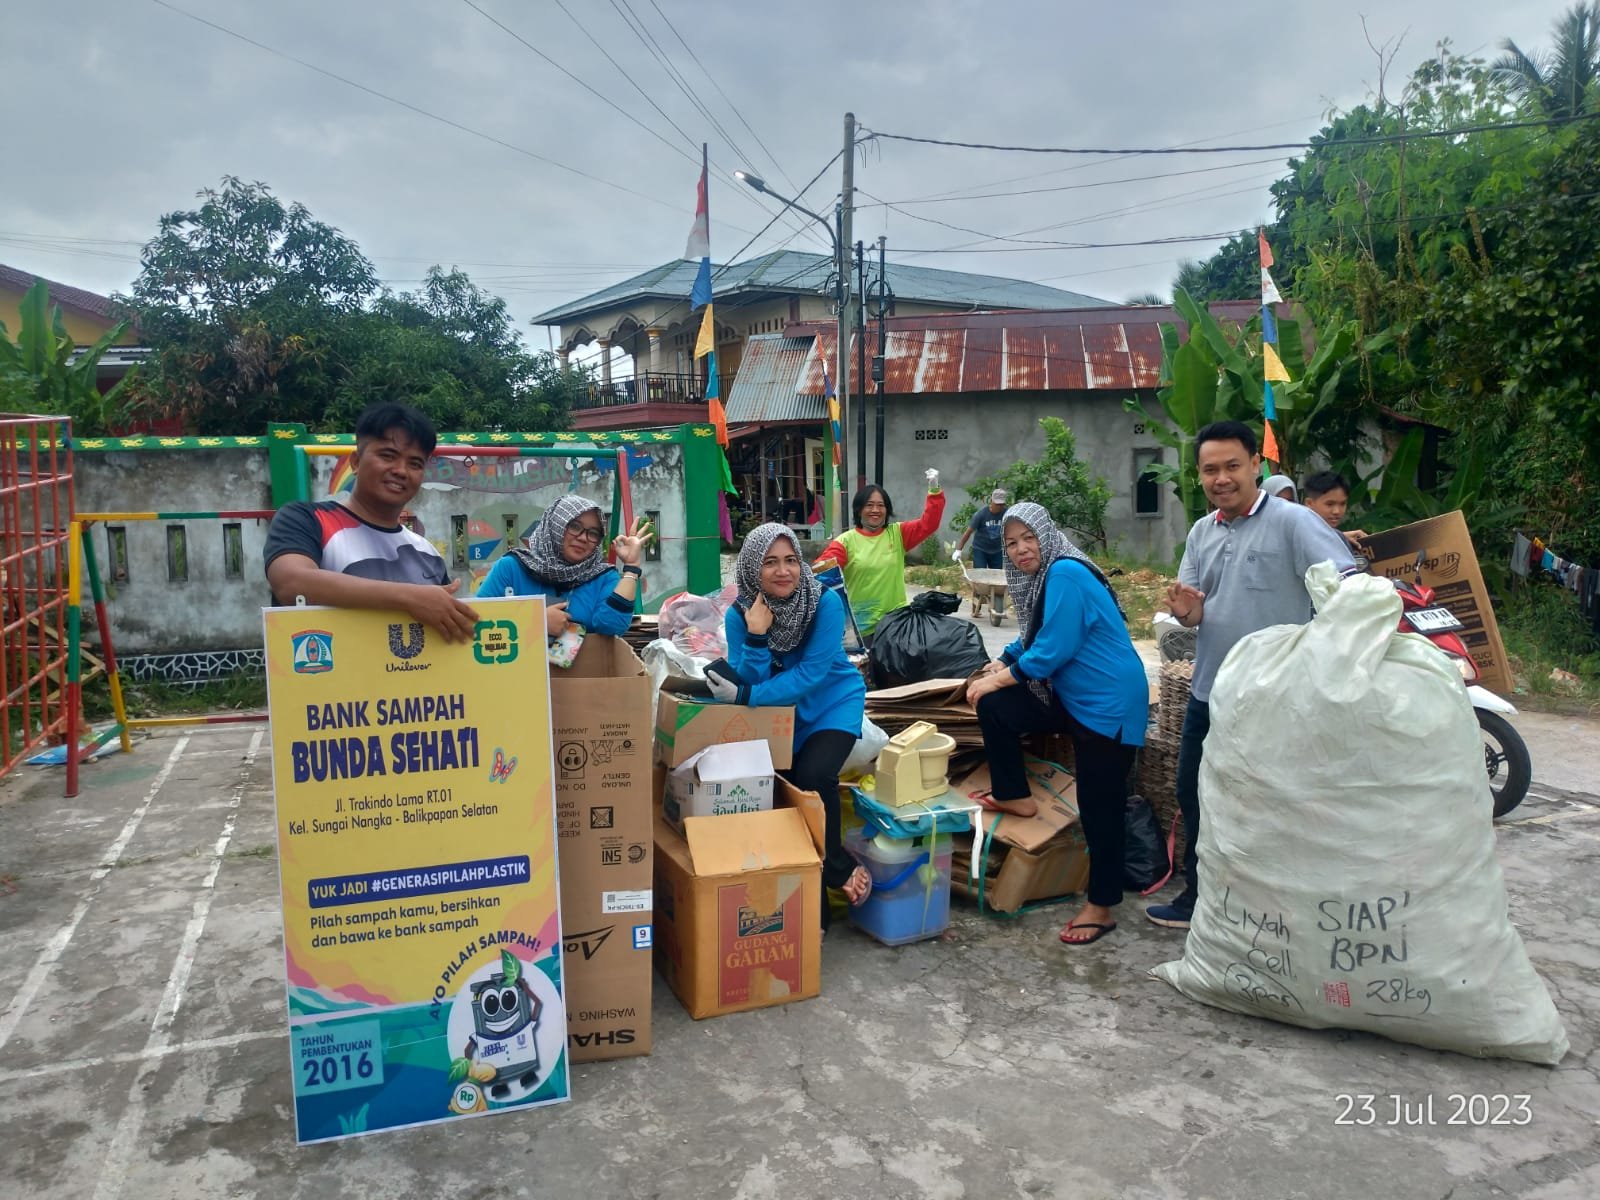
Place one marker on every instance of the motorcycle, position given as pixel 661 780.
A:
pixel 1505 754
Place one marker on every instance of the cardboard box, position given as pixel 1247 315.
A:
pixel 1450 568
pixel 739 923
pixel 686 725
pixel 1013 877
pixel 1053 790
pixel 735 777
pixel 1027 858
pixel 602 712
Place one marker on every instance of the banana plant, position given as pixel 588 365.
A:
pixel 42 372
pixel 1215 376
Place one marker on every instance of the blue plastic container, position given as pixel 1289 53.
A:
pixel 910 897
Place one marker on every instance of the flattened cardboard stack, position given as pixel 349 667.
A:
pixel 601 707
pixel 941 701
pixel 1026 858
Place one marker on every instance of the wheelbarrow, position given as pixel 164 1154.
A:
pixel 987 583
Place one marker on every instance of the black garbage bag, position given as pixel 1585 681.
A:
pixel 911 645
pixel 936 602
pixel 1144 850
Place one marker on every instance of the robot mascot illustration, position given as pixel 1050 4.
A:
pixel 502 1056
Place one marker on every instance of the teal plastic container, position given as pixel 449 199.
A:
pixel 910 897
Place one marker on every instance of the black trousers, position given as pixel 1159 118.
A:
pixel 816 769
pixel 1191 751
pixel 1101 771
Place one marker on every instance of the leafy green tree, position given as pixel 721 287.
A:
pixel 1058 479
pixel 42 371
pixel 1565 81
pixel 1234 271
pixel 259 312
pixel 1517 339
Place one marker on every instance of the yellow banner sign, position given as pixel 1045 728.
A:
pixel 417 853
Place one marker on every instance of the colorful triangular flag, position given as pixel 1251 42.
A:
pixel 1269 290
pixel 706 342
pixel 1272 365
pixel 1269 445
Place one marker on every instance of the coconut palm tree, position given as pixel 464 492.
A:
pixel 1565 81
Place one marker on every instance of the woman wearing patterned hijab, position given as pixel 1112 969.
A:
pixel 1083 678
pixel 786 646
pixel 564 563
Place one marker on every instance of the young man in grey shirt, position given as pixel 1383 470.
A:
pixel 1243 569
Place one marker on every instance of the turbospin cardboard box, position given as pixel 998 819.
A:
pixel 601 706
pixel 1450 567
pixel 735 777
pixel 739 922
pixel 1027 858
pixel 687 724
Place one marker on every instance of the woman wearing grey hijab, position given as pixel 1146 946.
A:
pixel 786 646
pixel 1083 678
pixel 564 561
pixel 1282 487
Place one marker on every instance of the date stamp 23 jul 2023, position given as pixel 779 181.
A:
pixel 1474 1109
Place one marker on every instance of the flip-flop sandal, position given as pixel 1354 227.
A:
pixel 1101 931
pixel 866 894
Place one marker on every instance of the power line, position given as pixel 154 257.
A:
pixel 771 157
pixel 501 25
pixel 637 26
pixel 1073 187
pixel 733 260
pixel 1421 218
pixel 650 100
pixel 405 104
pixel 1376 140
pixel 956 193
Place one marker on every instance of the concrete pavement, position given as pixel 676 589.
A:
pixel 145 1054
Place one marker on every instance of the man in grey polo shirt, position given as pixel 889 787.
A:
pixel 1243 569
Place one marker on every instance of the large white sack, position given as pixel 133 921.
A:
pixel 1347 868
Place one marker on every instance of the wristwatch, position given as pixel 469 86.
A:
pixel 633 569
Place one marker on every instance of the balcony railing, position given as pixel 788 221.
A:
pixel 652 388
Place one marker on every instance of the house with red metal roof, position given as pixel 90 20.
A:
pixel 648 319
pixel 964 392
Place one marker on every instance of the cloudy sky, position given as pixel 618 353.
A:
pixel 545 185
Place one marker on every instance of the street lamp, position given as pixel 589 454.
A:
pixel 841 371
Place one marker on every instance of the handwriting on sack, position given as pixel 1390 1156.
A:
pixel 1366 931
pixel 1269 934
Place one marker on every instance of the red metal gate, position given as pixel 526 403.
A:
pixel 36 509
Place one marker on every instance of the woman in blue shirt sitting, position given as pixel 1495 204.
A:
pixel 786 646
pixel 1073 670
pixel 563 563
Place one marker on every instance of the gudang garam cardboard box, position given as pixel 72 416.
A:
pixel 602 711
pixel 686 723
pixel 1449 566
pixel 1026 858
pixel 739 911
pixel 735 777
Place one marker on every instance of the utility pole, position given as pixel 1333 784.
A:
pixel 846 205
pixel 884 296
pixel 861 367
